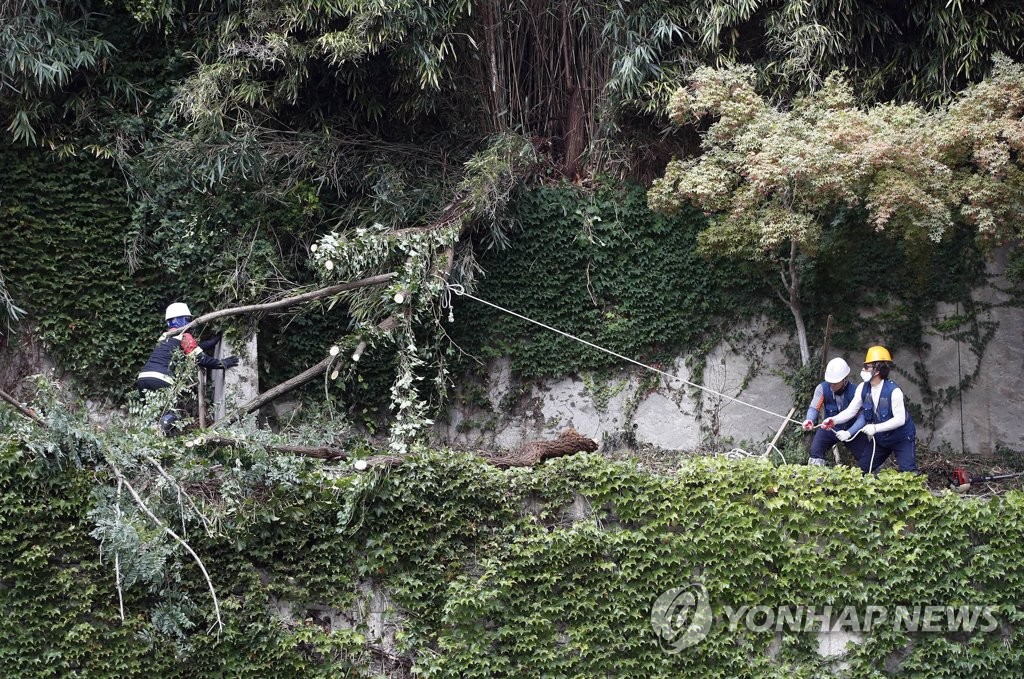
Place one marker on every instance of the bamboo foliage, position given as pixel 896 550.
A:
pixel 544 69
pixel 921 51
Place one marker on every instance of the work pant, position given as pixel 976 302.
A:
pixel 902 446
pixel 145 384
pixel 826 438
pixel 148 384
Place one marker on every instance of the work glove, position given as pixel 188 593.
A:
pixel 869 429
pixel 808 425
pixel 229 362
pixel 828 423
pixel 843 435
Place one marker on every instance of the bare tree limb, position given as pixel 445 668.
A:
pixel 381 279
pixel 266 397
pixel 302 378
pixel 319 452
pixel 569 442
pixel 529 454
pixel 117 553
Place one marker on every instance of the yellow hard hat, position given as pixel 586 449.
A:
pixel 877 354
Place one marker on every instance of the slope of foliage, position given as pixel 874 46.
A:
pixel 549 571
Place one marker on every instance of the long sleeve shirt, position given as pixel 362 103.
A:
pixel 899 410
pixel 818 401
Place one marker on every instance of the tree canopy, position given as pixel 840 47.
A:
pixel 772 179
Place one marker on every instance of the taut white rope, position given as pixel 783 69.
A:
pixel 460 291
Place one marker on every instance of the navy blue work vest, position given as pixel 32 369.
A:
pixel 830 406
pixel 883 413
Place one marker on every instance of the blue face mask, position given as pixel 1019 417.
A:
pixel 178 321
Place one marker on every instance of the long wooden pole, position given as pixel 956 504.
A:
pixel 785 423
pixel 202 398
pixel 826 345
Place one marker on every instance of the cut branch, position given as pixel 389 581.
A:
pixel 266 397
pixel 533 453
pixel 302 378
pixel 117 553
pixel 152 517
pixel 319 452
pixel 529 454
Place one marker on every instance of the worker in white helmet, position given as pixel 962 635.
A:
pixel 158 372
pixel 830 398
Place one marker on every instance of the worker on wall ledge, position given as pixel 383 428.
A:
pixel 881 416
pixel 158 371
pixel 830 398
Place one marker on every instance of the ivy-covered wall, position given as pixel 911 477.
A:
pixel 528 572
pixel 599 264
pixel 63 256
pixel 603 267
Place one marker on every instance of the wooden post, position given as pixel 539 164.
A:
pixel 202 398
pixel 779 434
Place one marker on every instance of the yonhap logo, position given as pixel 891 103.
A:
pixel 681 617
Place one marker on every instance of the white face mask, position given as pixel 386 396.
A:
pixel 866 376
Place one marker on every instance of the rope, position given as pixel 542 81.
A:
pixel 874 447
pixel 446 301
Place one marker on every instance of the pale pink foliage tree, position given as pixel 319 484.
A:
pixel 769 178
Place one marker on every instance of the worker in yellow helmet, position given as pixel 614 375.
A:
pixel 881 413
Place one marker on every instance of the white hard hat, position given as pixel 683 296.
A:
pixel 836 370
pixel 181 309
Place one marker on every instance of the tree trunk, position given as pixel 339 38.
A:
pixel 801 333
pixel 791 284
pixel 529 454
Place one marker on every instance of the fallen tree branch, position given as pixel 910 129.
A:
pixel 319 452
pixel 266 397
pixel 22 409
pixel 569 442
pixel 529 454
pixel 381 279
pixel 117 554
pixel 152 517
pixel 302 378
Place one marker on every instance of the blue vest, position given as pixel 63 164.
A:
pixel 830 406
pixel 883 413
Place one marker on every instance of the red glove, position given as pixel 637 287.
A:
pixel 828 423
pixel 808 425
